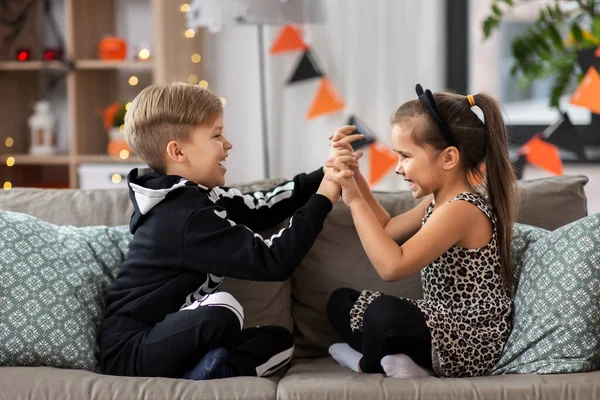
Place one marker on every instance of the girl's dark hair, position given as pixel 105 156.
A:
pixel 483 151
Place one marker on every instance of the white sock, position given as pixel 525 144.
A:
pixel 345 355
pixel 402 366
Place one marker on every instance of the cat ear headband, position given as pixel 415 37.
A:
pixel 426 97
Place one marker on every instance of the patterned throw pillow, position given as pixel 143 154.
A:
pixel 53 280
pixel 556 314
pixel 523 237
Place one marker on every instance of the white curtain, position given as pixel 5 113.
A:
pixel 373 52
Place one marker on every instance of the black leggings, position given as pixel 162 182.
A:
pixel 390 326
pixel 175 345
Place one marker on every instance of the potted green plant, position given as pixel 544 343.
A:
pixel 551 46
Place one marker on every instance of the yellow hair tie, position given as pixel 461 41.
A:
pixel 471 100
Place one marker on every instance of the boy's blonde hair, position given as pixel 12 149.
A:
pixel 165 112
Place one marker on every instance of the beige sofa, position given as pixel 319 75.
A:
pixel 337 259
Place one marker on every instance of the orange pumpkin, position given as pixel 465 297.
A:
pixel 112 48
pixel 109 115
pixel 115 147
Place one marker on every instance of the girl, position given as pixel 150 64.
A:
pixel 458 237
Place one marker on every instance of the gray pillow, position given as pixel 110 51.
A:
pixel 53 280
pixel 556 306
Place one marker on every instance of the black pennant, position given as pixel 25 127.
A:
pixel 563 134
pixel 587 58
pixel 306 69
pixel 361 128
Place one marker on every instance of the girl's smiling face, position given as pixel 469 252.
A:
pixel 417 164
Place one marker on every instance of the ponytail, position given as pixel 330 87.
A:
pixel 501 182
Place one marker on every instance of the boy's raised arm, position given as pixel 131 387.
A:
pixel 213 243
pixel 266 208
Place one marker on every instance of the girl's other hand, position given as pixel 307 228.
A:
pixel 339 172
pixel 342 139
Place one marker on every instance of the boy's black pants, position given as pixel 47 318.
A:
pixel 391 325
pixel 175 345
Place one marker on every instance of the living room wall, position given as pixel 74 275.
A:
pixel 373 54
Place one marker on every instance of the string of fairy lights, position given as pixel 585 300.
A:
pixel 10 161
pixel 195 58
pixel 133 80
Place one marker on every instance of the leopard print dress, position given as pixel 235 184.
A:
pixel 464 302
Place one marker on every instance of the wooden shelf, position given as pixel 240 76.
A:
pixel 79 64
pixel 31 65
pixel 118 65
pixel 105 158
pixel 89 85
pixel 32 159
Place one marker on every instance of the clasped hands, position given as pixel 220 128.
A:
pixel 342 165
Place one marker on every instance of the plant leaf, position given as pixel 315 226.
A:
pixel 596 28
pixel 497 10
pixel 489 25
pixel 542 45
pixel 555 36
pixel 577 33
pixel 560 84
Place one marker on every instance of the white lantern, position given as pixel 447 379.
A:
pixel 41 125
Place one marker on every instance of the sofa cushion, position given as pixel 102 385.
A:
pixel 264 303
pixel 46 383
pixel 324 379
pixel 53 280
pixel 556 312
pixel 552 202
pixel 338 260
pixel 109 207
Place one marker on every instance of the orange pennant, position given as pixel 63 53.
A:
pixel 478 178
pixel 588 93
pixel 326 101
pixel 289 39
pixel 543 155
pixel 597 53
pixel 381 160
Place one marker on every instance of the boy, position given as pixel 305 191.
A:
pixel 164 314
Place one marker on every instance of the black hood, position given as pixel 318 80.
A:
pixel 147 188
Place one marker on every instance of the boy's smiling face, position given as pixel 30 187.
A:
pixel 201 159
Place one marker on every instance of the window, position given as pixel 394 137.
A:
pixel 487 65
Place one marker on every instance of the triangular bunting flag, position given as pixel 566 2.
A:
pixel 563 134
pixel 326 101
pixel 587 58
pixel 306 69
pixel 543 155
pixel 598 52
pixel 289 39
pixel 519 165
pixel 361 129
pixel 381 160
pixel 586 94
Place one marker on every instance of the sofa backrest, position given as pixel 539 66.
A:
pixel 336 260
